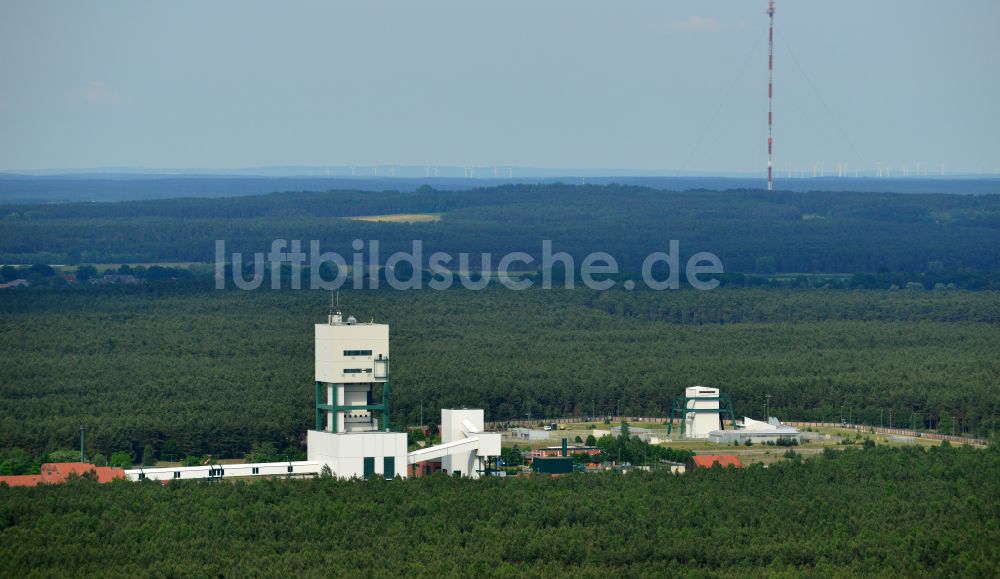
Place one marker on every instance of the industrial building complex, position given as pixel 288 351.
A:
pixel 757 432
pixel 352 438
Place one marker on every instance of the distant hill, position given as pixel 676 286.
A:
pixel 90 187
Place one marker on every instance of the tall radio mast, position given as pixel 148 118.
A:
pixel 770 87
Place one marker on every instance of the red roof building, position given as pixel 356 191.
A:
pixel 58 472
pixel 708 460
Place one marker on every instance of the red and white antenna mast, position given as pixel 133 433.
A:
pixel 770 88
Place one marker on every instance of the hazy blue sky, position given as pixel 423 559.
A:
pixel 539 83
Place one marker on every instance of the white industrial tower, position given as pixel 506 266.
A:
pixel 701 411
pixel 352 365
pixel 352 436
pixel 702 414
pixel 352 362
pixel 352 433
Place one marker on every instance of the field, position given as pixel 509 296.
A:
pixel 401 218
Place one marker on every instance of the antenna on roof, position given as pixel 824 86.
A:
pixel 334 316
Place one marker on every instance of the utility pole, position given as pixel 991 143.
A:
pixel 767 407
pixel 881 411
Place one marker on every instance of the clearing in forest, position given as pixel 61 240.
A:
pixel 401 217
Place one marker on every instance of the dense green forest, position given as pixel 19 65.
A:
pixel 751 231
pixel 219 371
pixel 876 512
pixel 166 368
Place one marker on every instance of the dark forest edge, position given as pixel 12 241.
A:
pixel 876 511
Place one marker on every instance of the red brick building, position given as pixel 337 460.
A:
pixel 425 468
pixel 708 460
pixel 58 472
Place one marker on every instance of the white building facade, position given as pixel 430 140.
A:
pixel 701 412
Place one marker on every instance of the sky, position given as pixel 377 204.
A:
pixel 644 84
